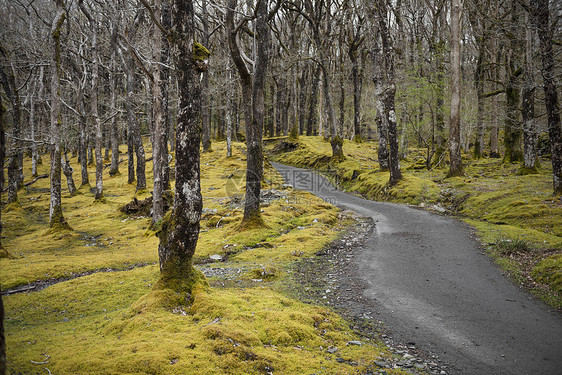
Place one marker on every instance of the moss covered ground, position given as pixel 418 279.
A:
pixel 102 315
pixel 504 206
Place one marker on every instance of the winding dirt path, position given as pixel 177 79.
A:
pixel 432 285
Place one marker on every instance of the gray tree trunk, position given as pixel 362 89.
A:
pixel 158 127
pixel 254 133
pixel 530 160
pixel 455 166
pixel 56 217
pixel 180 231
pixel 540 16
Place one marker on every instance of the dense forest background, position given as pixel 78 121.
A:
pixel 334 67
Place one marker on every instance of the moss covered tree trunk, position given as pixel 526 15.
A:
pixel 254 133
pixel 540 16
pixel 180 228
pixel 83 141
pixel 56 217
pixel 455 166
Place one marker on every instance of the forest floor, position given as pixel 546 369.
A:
pixel 74 299
pixel 259 315
pixel 517 219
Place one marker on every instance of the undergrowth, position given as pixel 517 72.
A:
pixel 117 322
pixel 516 212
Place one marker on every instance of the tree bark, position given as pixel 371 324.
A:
pixel 313 103
pixel 380 118
pixel 94 102
pixel 164 89
pixel 540 16
pixel 530 160
pixel 455 166
pixel 56 217
pixel 68 171
pixel 180 230
pixel 357 86
pixel 114 167
pixel 479 83
pixel 494 136
pixel 205 106
pixel 254 133
pixel 245 76
pixel 158 127
pixel 513 130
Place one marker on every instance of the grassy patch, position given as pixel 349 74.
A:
pixel 116 322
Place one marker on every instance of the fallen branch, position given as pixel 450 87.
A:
pixel 13 291
pixel 36 179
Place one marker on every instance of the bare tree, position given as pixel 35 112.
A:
pixel 94 100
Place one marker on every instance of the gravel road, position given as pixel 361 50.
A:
pixel 434 287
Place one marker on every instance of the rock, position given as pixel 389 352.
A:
pixel 358 343
pixel 381 363
pixel 332 350
pixel 216 257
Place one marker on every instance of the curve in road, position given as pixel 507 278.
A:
pixel 435 287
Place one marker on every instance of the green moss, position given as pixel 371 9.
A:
pixel 200 52
pixel 549 272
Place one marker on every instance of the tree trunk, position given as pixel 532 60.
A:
pixel 228 85
pixel 494 136
pixel 157 203
pixel 455 166
pixel 530 161
pixel 205 120
pixel 356 78
pixel 114 168
pixel 254 133
pixel 83 141
pixel 180 230
pixel 94 103
pixel 540 16
pixel 380 118
pixel 245 76
pixel 56 217
pixel 68 171
pixel 513 130
pixel 302 99
pixel 313 103
pixel 164 82
pixel 479 83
